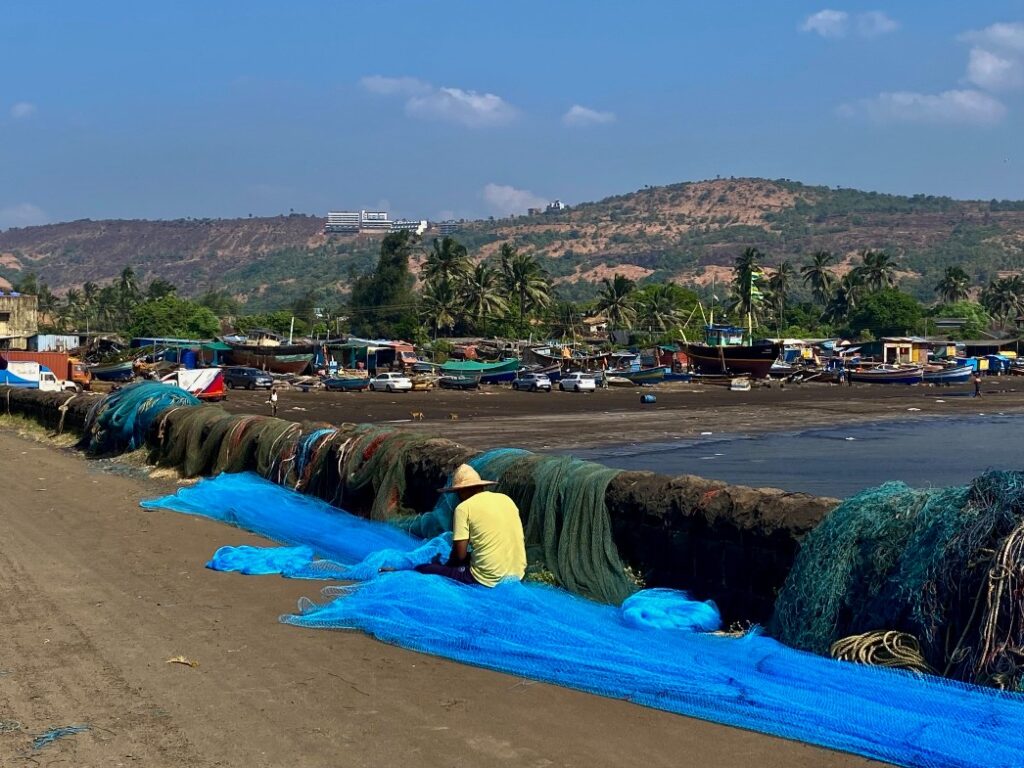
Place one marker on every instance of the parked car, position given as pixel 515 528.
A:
pixel 532 382
pixel 578 382
pixel 247 378
pixel 390 382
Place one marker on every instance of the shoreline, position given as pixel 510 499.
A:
pixel 563 422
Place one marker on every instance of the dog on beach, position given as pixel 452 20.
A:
pixel 416 415
pixel 453 417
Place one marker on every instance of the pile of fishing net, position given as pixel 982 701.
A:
pixel 658 648
pixel 121 420
pixel 561 499
pixel 944 566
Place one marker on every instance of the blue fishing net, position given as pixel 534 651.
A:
pixel 652 650
pixel 120 421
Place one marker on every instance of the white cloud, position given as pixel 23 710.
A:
pixel 23 109
pixel 834 24
pixel 581 116
pixel 957 106
pixel 827 23
pixel 22 215
pixel 425 101
pixel 875 23
pixel 504 200
pixel 1005 36
pixel 994 71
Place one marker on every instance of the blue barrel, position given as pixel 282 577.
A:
pixel 189 359
pixel 646 399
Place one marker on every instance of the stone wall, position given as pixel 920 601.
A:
pixel 729 543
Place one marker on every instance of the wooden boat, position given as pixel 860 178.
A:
pixel 677 376
pixel 122 371
pixel 423 382
pixel 458 381
pixel 888 374
pixel 724 352
pixel 292 358
pixel 958 375
pixel 346 383
pixel 619 381
pixel 644 376
pixel 501 372
pixel 717 379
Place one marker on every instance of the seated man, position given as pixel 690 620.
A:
pixel 488 524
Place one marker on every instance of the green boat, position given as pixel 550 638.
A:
pixel 488 373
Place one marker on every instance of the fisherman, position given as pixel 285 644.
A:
pixel 273 401
pixel 976 378
pixel 488 544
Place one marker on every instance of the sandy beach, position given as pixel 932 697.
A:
pixel 98 594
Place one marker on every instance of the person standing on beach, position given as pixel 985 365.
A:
pixel 273 401
pixel 976 378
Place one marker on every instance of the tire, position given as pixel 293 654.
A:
pixel 515 386
pixel 231 385
pixel 577 388
pixel 388 388
pixel 251 387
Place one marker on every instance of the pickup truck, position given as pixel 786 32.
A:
pixel 29 375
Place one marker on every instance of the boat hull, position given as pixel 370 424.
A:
pixel 951 376
pixel 755 360
pixel 117 372
pixel 275 360
pixel 908 376
pixel 648 376
pixel 346 385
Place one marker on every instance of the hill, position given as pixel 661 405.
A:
pixel 687 232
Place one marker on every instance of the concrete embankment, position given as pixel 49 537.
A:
pixel 729 543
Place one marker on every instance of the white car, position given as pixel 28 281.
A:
pixel 578 382
pixel 391 382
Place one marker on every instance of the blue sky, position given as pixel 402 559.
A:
pixel 473 108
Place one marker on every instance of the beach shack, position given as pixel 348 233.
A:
pixel 373 355
pixel 899 349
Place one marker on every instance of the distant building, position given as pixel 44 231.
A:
pixel 556 206
pixel 534 211
pixel 446 228
pixel 342 222
pixel 350 222
pixel 405 225
pixel 19 319
pixel 595 324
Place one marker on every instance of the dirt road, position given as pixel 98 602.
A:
pixel 96 594
pixel 497 416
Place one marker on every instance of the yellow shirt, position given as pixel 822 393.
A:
pixel 490 521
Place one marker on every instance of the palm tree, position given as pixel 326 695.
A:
pixel 779 285
pixel 440 304
pixel 127 294
pixel 844 299
pixel 821 279
pixel 108 309
pixel 745 293
pixel 525 279
pixel 615 301
pixel 448 259
pixel 877 270
pixel 73 305
pixel 481 293
pixel 1003 298
pixel 954 285
pixel 660 307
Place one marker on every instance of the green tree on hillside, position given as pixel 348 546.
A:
pixel 615 301
pixel 819 277
pixel 954 286
pixel 663 306
pixel 977 319
pixel 382 304
pixel 482 293
pixel 876 271
pixel 887 312
pixel 440 304
pixel 1003 299
pixel 173 317
pixel 447 259
pixel 746 295
pixel 779 286
pixel 525 279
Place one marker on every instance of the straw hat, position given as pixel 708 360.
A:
pixel 465 477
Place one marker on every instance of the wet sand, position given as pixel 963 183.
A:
pixel 97 594
pixel 563 421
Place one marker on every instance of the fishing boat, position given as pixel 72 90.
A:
pixel 956 375
pixel 717 379
pixel 619 381
pixel 888 374
pixel 678 376
pixel 501 372
pixel 644 376
pixel 120 371
pixel 725 353
pixel 458 381
pixel 346 383
pixel 268 351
